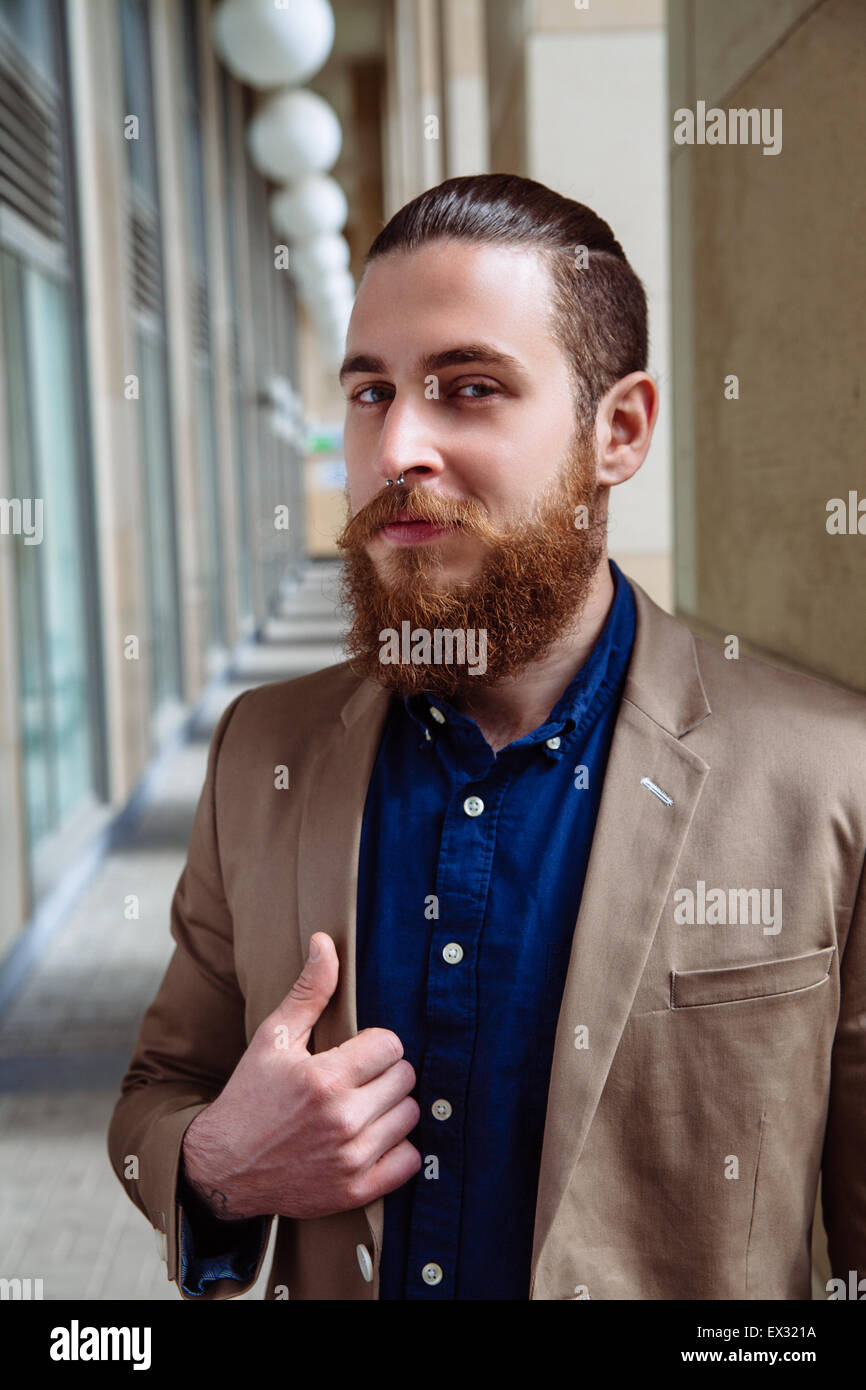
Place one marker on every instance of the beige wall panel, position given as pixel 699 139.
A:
pixel 780 300
pixel 681 60
pixel 507 33
pixel 654 573
pixel 732 38
pixel 683 389
pixel 556 16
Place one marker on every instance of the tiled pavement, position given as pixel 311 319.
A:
pixel 66 1039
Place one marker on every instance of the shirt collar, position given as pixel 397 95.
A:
pixel 605 667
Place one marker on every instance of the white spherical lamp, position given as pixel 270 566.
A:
pixel 314 259
pixel 293 134
pixel 337 287
pixel 316 204
pixel 326 311
pixel 273 45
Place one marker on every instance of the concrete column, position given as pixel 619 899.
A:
pixel 414 155
pixel 467 137
pixel 98 111
pixel 220 315
pixel 16 900
pixel 168 78
pixel 507 29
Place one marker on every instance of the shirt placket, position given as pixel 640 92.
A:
pixel 463 877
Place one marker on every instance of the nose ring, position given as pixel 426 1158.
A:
pixel 390 481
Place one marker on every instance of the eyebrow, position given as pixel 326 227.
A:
pixel 435 361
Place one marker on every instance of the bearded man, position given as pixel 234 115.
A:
pixel 440 1006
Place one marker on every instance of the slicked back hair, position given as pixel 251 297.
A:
pixel 600 306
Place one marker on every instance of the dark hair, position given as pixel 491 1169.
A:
pixel 600 310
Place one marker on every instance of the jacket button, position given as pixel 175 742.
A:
pixel 366 1264
pixel 432 1273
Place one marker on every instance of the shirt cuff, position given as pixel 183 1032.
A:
pixel 212 1249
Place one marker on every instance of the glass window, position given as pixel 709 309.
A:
pixel 30 24
pixel 51 577
pixel 56 594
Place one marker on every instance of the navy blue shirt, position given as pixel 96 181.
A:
pixel 471 872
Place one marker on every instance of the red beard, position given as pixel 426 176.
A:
pixel 533 586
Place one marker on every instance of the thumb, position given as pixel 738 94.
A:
pixel 306 1000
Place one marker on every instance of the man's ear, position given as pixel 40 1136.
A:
pixel 624 425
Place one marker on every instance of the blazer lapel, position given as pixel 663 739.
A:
pixel 637 843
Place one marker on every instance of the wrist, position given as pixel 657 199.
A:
pixel 202 1175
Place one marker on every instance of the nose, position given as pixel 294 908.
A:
pixel 405 445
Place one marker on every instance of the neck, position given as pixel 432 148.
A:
pixel 517 705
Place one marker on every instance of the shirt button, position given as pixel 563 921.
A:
pixel 441 1109
pixel 437 714
pixel 473 805
pixel 432 1273
pixel 554 742
pixel 365 1262
pixel 453 953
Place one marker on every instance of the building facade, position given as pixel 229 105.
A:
pixel 148 384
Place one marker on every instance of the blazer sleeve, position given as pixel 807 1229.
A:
pixel 843 1176
pixel 190 1041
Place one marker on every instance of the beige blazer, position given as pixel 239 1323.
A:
pixel 704 1072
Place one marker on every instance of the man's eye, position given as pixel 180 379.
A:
pixel 365 391
pixel 483 387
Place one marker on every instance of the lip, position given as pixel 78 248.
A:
pixel 403 532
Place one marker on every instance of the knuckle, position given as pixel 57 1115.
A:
pixel 361 1151
pixel 356 1191
pixel 325 1086
pixel 343 1124
pixel 349 1160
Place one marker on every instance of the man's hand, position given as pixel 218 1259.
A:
pixel 301 1134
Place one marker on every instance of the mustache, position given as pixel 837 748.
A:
pixel 463 514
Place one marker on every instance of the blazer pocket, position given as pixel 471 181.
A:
pixel 759 981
